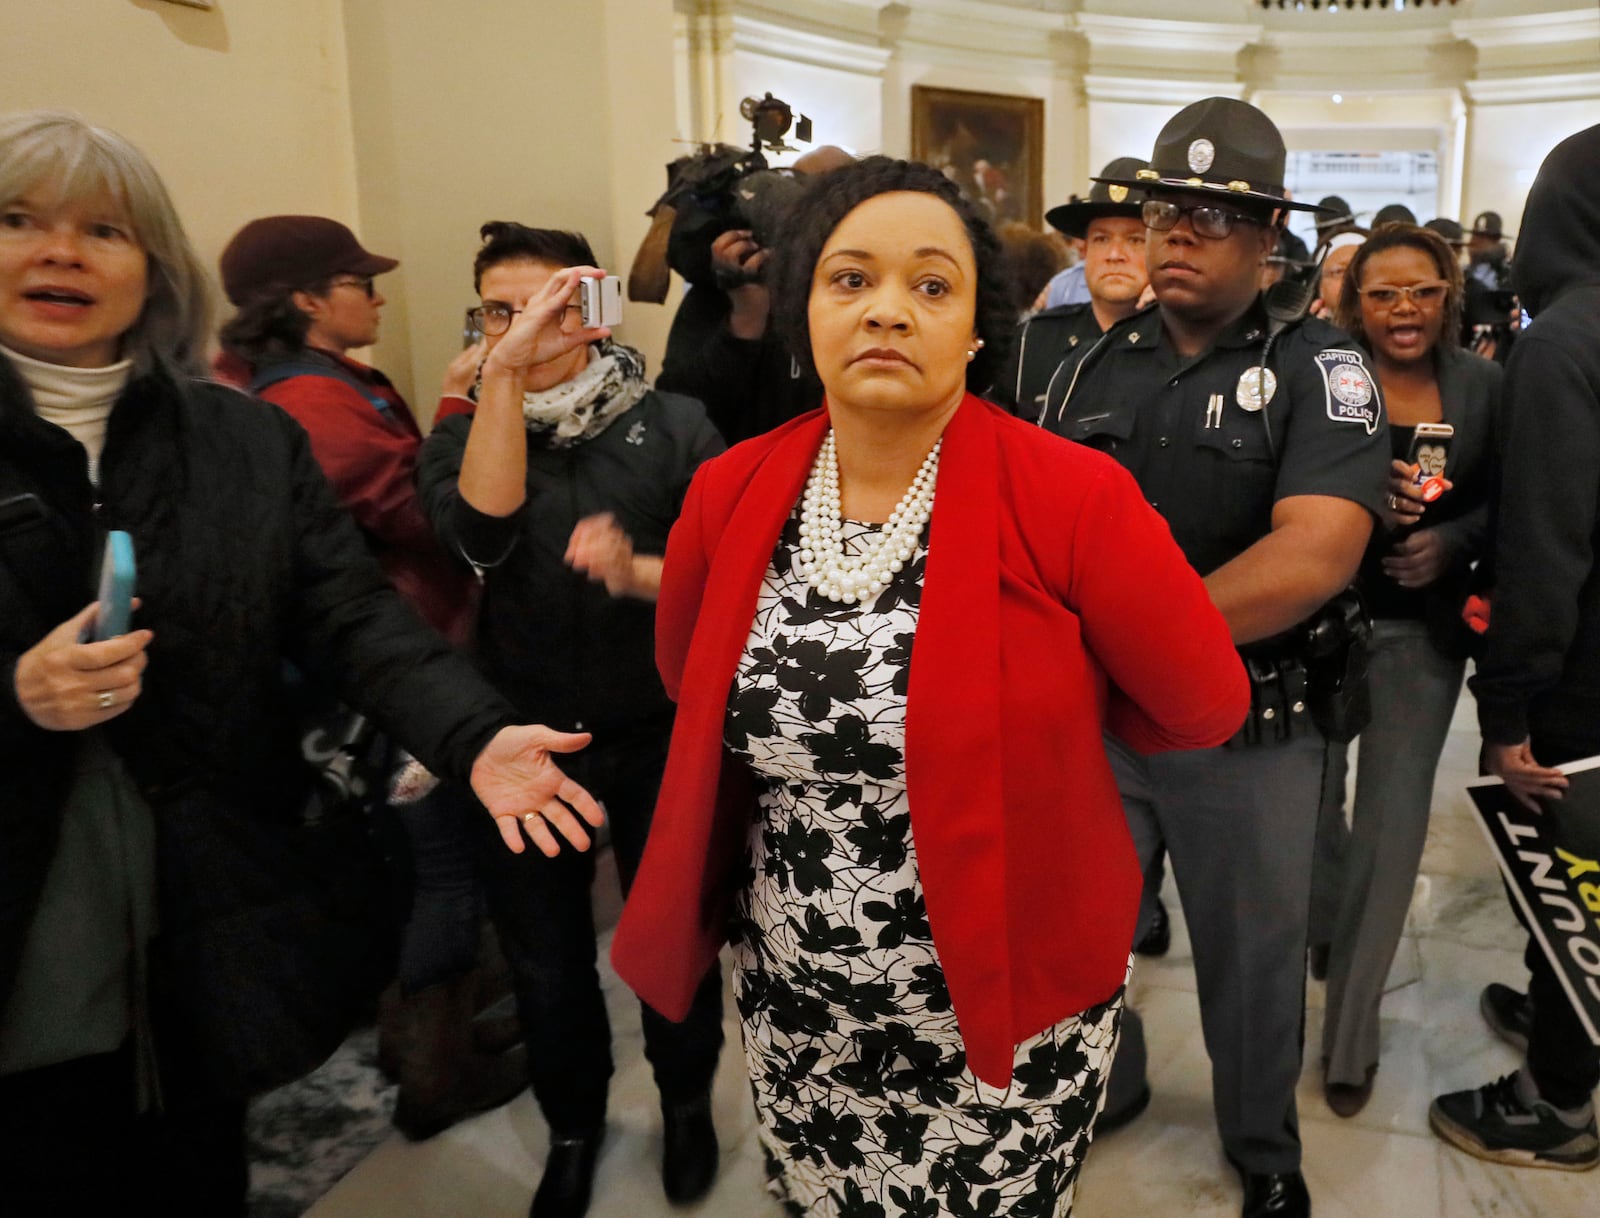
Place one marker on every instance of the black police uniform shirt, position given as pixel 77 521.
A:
pixel 1206 455
pixel 1045 353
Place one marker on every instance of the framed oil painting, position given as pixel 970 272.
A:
pixel 989 144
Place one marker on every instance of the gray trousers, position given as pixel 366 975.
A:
pixel 1239 825
pixel 1414 692
pixel 1333 843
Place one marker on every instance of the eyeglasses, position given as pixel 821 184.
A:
pixel 1208 221
pixel 1423 295
pixel 362 282
pixel 493 319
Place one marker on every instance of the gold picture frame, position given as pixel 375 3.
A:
pixel 989 144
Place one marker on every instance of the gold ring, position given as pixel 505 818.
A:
pixel 530 817
pixel 107 700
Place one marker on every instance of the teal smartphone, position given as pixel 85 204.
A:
pixel 116 588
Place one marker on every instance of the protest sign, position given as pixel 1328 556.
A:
pixel 1551 864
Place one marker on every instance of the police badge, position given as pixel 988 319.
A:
pixel 1255 388
pixel 1201 154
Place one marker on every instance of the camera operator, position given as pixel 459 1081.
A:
pixel 722 349
pixel 1491 313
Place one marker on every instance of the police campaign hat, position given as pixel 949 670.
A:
pixel 1219 145
pixel 1335 212
pixel 1488 224
pixel 1448 229
pixel 1289 252
pixel 1105 199
pixel 1394 213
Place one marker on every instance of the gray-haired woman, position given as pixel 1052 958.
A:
pixel 162 944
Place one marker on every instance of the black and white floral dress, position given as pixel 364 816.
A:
pixel 865 1105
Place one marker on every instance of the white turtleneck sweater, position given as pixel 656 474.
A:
pixel 78 400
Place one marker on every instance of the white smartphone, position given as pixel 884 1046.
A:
pixel 600 301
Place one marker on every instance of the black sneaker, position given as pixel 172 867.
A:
pixel 1508 1013
pixel 1507 1122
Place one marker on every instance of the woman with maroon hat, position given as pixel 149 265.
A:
pixel 306 296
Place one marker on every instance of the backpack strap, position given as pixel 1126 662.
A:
pixel 273 373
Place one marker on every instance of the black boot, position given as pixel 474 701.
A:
pixel 689 1150
pixel 443 1079
pixel 568 1177
pixel 1275 1195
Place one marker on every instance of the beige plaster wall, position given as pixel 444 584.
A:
pixel 411 120
pixel 1506 144
pixel 244 109
pixel 552 115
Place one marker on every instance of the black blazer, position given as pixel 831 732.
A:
pixel 1469 393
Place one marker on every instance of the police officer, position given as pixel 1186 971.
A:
pixel 1261 438
pixel 1333 217
pixel 1111 227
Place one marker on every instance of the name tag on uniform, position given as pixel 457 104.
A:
pixel 1351 393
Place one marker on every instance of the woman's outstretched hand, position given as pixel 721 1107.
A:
pixel 526 792
pixel 539 333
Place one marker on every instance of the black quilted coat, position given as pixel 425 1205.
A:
pixel 245 560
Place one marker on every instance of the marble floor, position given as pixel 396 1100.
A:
pixel 1383 1162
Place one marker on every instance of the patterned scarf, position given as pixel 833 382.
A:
pixel 582 408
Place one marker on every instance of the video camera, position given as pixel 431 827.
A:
pixel 718 188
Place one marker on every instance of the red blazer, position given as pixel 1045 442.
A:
pixel 1055 606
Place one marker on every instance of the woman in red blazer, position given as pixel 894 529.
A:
pixel 887 781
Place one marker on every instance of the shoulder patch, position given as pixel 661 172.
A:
pixel 1352 397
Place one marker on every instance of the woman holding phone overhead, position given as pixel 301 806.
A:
pixel 895 629
pixel 560 487
pixel 1401 300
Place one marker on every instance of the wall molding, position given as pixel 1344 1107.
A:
pixel 1144 34
pixel 1562 86
pixel 1099 87
pixel 1532 29
pixel 990 14
pixel 1319 41
pixel 802 46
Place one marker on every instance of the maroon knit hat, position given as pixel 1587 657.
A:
pixel 286 253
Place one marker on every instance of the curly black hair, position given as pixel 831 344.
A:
pixel 1403 236
pixel 834 196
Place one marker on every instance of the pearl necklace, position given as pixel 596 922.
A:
pixel 858 577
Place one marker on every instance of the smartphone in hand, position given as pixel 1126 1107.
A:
pixel 600 301
pixel 1430 454
pixel 117 572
